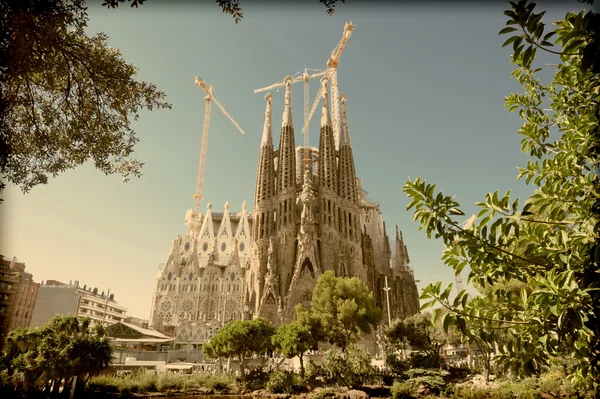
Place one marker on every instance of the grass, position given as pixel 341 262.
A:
pixel 145 382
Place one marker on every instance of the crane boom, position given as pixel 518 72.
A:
pixel 304 77
pixel 203 146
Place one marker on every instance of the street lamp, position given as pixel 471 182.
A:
pixel 387 298
pixel 225 306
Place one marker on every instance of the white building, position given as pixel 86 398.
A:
pixel 56 298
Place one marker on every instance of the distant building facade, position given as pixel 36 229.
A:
pixel 310 215
pixel 57 298
pixel 18 294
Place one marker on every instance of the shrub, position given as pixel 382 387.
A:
pixel 353 367
pixel 470 392
pixel 387 378
pixel 427 385
pixel 284 382
pixel 419 372
pixel 325 393
pixel 420 360
pixel 396 364
pixel 458 372
pixel 401 390
pixel 219 382
pixel 524 389
pixel 257 378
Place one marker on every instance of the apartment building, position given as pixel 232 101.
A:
pixel 57 298
pixel 18 293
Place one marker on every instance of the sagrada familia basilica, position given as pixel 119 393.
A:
pixel 310 215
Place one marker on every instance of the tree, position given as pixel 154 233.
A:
pixel 423 334
pixel 67 97
pixel 293 339
pixel 231 7
pixel 344 307
pixel 241 338
pixel 42 359
pixel 352 367
pixel 552 243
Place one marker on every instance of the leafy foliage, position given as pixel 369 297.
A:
pixel 423 334
pixel 352 366
pixel 293 339
pixel 282 381
pixel 344 307
pixel 551 245
pixel 231 7
pixel 241 338
pixel 41 359
pixel 67 97
pixel 143 382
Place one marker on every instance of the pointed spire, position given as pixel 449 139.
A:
pixel 326 115
pixel 397 233
pixel 344 131
pixel 287 107
pixel 267 137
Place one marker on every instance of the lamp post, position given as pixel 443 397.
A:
pixel 387 298
pixel 225 306
pixel 105 306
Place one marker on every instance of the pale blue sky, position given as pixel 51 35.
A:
pixel 425 88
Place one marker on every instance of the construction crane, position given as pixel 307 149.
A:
pixel 209 100
pixel 332 64
pixel 297 77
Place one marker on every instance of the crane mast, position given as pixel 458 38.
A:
pixel 202 162
pixel 332 65
pixel 204 144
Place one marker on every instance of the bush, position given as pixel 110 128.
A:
pixel 427 385
pixel 387 378
pixel 458 372
pixel 257 378
pixel 285 382
pixel 353 366
pixel 325 393
pixel 316 375
pixel 219 382
pixel 418 372
pixel 466 392
pixel 396 364
pixel 419 360
pixel 401 390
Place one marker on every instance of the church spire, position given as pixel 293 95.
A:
pixel 348 189
pixel 265 179
pixel 267 137
pixel 327 164
pixel 286 164
pixel 287 106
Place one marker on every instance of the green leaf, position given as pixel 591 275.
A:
pixel 510 40
pixel 507 30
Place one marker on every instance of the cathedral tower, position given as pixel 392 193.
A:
pixel 286 194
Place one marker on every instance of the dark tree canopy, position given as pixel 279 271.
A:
pixel 67 97
pixel 231 7
pixel 241 339
pixel 42 359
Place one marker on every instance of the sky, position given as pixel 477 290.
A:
pixel 425 85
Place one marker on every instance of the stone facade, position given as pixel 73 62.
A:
pixel 310 215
